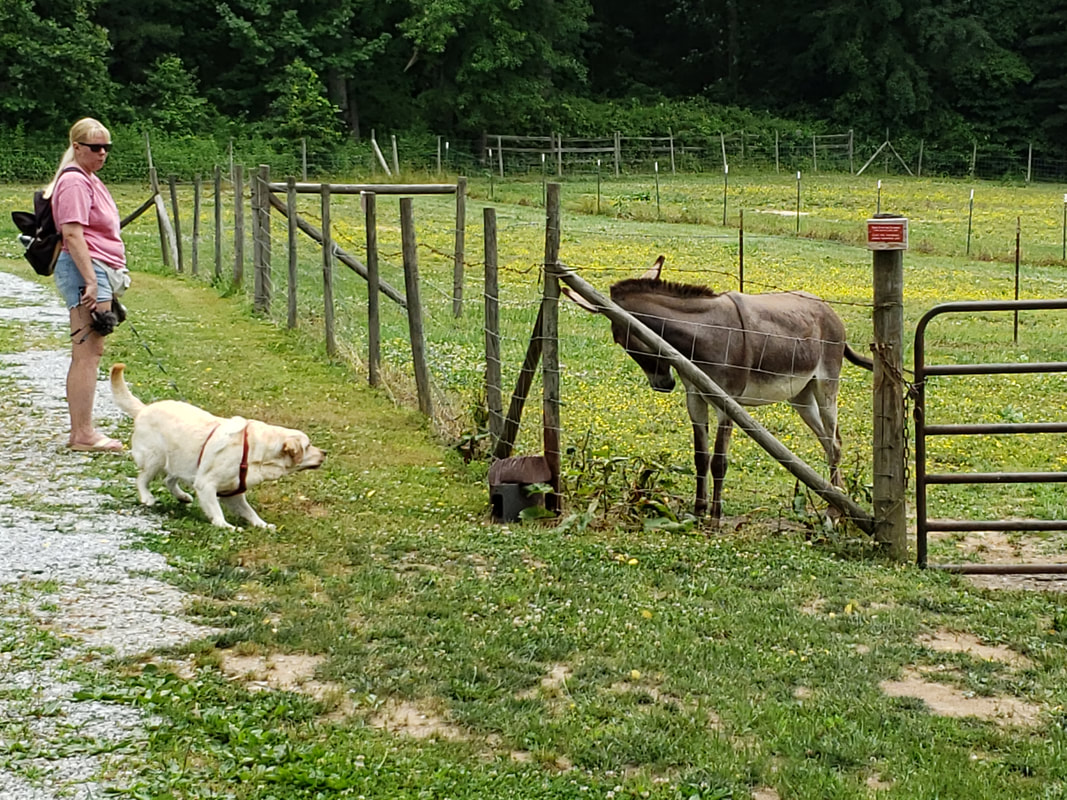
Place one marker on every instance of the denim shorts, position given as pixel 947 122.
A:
pixel 70 282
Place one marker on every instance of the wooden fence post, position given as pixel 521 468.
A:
pixel 172 182
pixel 255 202
pixel 290 218
pixel 261 239
pixel 238 224
pixel 493 381
pixel 339 253
pixel 218 221
pixel 196 224
pixel 522 387
pixel 327 272
pixel 550 348
pixel 890 523
pixel 411 285
pixel 461 230
pixel 166 234
pixel 374 325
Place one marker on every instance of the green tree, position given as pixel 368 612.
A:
pixel 1046 48
pixel 301 108
pixel 335 38
pixel 53 67
pixel 172 98
pixel 494 63
pixel 907 64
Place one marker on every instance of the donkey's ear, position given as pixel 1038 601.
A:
pixel 653 272
pixel 577 298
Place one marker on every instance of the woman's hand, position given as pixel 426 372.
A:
pixel 88 298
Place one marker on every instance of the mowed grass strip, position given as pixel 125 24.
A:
pixel 477 660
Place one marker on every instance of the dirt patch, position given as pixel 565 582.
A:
pixel 553 685
pixel 878 784
pixel 286 672
pixel 408 719
pixel 813 607
pixel 999 547
pixel 556 678
pixel 947 701
pixel 955 642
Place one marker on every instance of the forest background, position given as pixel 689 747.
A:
pixel 328 72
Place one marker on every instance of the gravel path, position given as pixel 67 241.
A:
pixel 75 589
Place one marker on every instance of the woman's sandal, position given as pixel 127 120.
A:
pixel 104 444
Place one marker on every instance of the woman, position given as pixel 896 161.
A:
pixel 93 256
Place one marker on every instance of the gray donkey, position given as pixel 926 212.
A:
pixel 759 348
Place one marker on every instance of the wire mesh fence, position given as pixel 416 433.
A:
pixel 614 152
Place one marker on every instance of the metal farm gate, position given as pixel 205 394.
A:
pixel 922 431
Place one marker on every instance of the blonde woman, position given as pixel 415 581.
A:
pixel 92 263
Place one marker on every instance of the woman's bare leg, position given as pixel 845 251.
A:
pixel 81 377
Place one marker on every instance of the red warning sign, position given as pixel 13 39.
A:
pixel 887 233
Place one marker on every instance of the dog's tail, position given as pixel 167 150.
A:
pixel 121 392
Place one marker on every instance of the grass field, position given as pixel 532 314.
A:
pixel 464 659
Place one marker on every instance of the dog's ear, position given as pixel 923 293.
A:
pixel 294 449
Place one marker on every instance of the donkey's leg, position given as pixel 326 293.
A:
pixel 718 462
pixel 698 414
pixel 826 397
pixel 820 414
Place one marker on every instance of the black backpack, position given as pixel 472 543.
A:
pixel 42 241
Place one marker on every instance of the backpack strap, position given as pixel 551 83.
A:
pixel 71 168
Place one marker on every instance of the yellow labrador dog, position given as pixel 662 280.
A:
pixel 220 458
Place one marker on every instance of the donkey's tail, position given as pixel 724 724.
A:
pixel 124 399
pixel 857 359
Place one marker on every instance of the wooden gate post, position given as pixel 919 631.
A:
pixel 887 237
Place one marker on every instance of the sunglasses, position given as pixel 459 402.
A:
pixel 96 148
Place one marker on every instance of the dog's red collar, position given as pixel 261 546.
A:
pixel 242 474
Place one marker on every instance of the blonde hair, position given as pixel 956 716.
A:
pixel 82 129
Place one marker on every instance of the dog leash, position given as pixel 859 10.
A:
pixel 156 360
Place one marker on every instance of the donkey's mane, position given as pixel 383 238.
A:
pixel 634 286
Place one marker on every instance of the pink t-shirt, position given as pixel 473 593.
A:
pixel 82 198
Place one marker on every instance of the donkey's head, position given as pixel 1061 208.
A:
pixel 656 368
